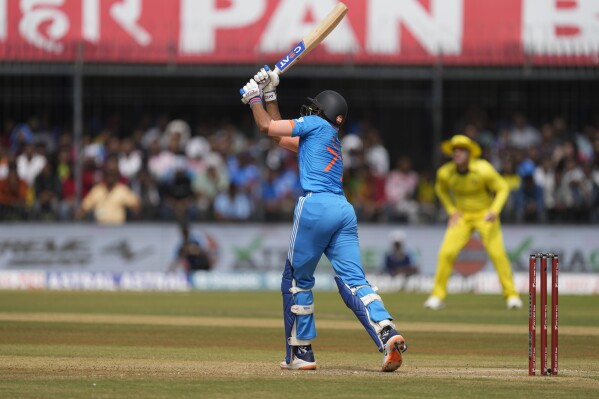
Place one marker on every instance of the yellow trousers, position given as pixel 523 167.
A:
pixel 457 236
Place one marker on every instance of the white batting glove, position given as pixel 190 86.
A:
pixel 270 89
pixel 261 77
pixel 251 93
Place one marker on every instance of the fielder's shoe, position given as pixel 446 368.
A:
pixel 514 302
pixel 434 303
pixel 302 358
pixel 394 346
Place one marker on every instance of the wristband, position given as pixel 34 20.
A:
pixel 270 96
pixel 254 100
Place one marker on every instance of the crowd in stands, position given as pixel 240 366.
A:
pixel 168 170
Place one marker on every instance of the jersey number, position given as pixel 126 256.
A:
pixel 335 158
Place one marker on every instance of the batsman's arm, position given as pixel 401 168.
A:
pixel 278 130
pixel 272 108
pixel 289 143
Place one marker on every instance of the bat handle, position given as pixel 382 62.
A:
pixel 277 70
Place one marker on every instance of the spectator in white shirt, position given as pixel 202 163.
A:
pixel 130 159
pixel 30 164
pixel 376 154
pixel 522 135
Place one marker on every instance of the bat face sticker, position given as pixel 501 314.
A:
pixel 293 54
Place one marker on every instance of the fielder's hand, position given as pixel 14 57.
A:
pixel 251 93
pixel 490 216
pixel 454 218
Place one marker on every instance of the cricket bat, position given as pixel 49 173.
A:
pixel 308 43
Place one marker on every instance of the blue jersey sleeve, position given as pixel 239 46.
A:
pixel 302 127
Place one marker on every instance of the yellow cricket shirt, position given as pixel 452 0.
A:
pixel 478 189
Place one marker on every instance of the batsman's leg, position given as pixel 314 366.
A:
pixel 344 253
pixel 298 351
pixel 306 246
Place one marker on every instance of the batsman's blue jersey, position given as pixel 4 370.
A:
pixel 323 223
pixel 319 152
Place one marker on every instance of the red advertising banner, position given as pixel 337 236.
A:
pixel 383 32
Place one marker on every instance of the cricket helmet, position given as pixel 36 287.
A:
pixel 329 105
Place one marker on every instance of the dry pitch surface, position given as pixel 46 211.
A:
pixel 69 344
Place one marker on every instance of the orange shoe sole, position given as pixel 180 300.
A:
pixel 394 359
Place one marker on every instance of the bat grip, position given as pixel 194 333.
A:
pixel 277 70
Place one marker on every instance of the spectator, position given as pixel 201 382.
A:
pixel 228 140
pixel 155 132
pixel 13 195
pixel 244 172
pixel 549 141
pixel 19 137
pixel 513 181
pixel 426 197
pixel 190 255
pixel 584 143
pixel 397 259
pixel 375 153
pixel 198 145
pixel 544 176
pixel 112 147
pixel 48 192
pixel 529 201
pixel 352 151
pixel 95 148
pixel 178 197
pixel 574 191
pixel 109 200
pixel 4 161
pixel 272 195
pixel 130 159
pixel 484 138
pixel 522 135
pixel 369 195
pixel 164 163
pixel 148 193
pixel 30 164
pixel 232 205
pixel 179 128
pixel 207 185
pixel 400 191
pixel 68 204
pixel 64 163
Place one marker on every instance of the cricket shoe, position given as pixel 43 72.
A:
pixel 393 346
pixel 514 302
pixel 302 358
pixel 434 303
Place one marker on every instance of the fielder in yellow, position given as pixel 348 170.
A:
pixel 473 194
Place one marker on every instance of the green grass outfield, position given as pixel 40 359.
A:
pixel 56 344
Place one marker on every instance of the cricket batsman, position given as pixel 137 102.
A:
pixel 473 194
